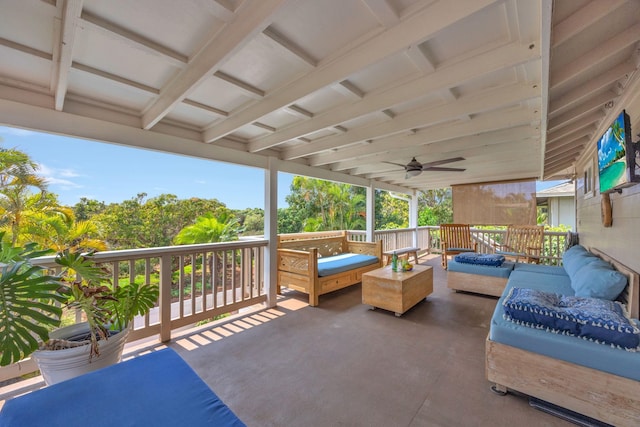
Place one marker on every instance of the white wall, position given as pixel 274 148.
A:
pixel 562 210
pixel 622 239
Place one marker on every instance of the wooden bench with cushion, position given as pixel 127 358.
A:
pixel 321 262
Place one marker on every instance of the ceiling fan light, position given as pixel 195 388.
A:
pixel 413 172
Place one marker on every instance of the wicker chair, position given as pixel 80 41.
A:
pixel 522 243
pixel 455 239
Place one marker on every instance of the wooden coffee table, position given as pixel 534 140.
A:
pixel 396 291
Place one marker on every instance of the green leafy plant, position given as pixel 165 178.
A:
pixel 31 300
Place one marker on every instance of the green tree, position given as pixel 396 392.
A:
pixel 139 223
pixel 391 212
pixel 209 229
pixel 251 220
pixel 323 205
pixel 435 207
pixel 18 178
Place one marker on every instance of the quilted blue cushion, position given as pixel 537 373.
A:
pixel 598 280
pixel 343 262
pixel 492 260
pixel 593 319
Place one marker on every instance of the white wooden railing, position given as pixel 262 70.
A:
pixel 428 240
pixel 197 282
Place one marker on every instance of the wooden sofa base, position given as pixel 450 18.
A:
pixel 477 283
pixel 606 397
pixel 324 284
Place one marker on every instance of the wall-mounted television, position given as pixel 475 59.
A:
pixel 617 165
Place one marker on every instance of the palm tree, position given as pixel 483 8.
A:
pixel 209 229
pixel 17 179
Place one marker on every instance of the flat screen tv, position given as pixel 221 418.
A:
pixel 617 156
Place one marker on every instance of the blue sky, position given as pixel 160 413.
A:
pixel 111 173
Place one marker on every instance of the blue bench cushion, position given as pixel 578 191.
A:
pixel 484 270
pixel 343 262
pixel 540 268
pixel 593 319
pixel 492 260
pixel 158 389
pixel 598 279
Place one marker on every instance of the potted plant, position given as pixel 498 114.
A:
pixel 32 303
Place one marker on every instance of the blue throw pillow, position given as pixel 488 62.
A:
pixel 574 259
pixel 491 260
pixel 598 280
pixel 594 319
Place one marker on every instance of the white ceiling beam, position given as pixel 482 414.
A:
pixel 264 126
pixel 349 90
pixel 411 30
pixel 208 108
pixel 570 138
pixel 596 56
pixel 71 11
pixel 221 9
pixel 582 19
pixel 48 120
pixel 383 11
pixel 577 125
pixel 250 19
pixel 289 46
pixel 577 95
pixel 420 59
pixel 25 49
pixel 500 58
pixel 299 112
pixel 487 101
pixel 249 90
pixel 485 123
pixel 113 31
pixel 586 108
pixel 115 78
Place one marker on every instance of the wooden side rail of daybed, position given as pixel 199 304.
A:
pixel 298 262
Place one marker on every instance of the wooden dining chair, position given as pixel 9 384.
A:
pixel 455 239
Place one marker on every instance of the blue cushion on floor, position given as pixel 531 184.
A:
pixel 593 319
pixel 343 262
pixel 492 260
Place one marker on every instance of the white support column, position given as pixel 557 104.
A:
pixel 371 212
pixel 413 217
pixel 271 231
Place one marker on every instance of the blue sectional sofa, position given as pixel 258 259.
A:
pixel 560 334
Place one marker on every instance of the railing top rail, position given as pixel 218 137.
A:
pixel 131 254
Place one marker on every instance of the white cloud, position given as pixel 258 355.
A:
pixel 58 177
pixel 200 181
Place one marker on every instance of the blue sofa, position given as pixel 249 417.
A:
pixel 590 364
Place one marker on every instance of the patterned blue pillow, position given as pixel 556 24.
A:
pixel 492 260
pixel 593 319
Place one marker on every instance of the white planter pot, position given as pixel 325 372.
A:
pixel 60 365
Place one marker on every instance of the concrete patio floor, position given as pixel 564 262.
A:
pixel 343 364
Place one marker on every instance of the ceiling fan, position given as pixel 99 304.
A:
pixel 415 168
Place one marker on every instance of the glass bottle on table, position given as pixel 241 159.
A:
pixel 394 261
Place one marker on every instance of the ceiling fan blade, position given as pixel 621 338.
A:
pixel 395 164
pixel 442 162
pixel 439 169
